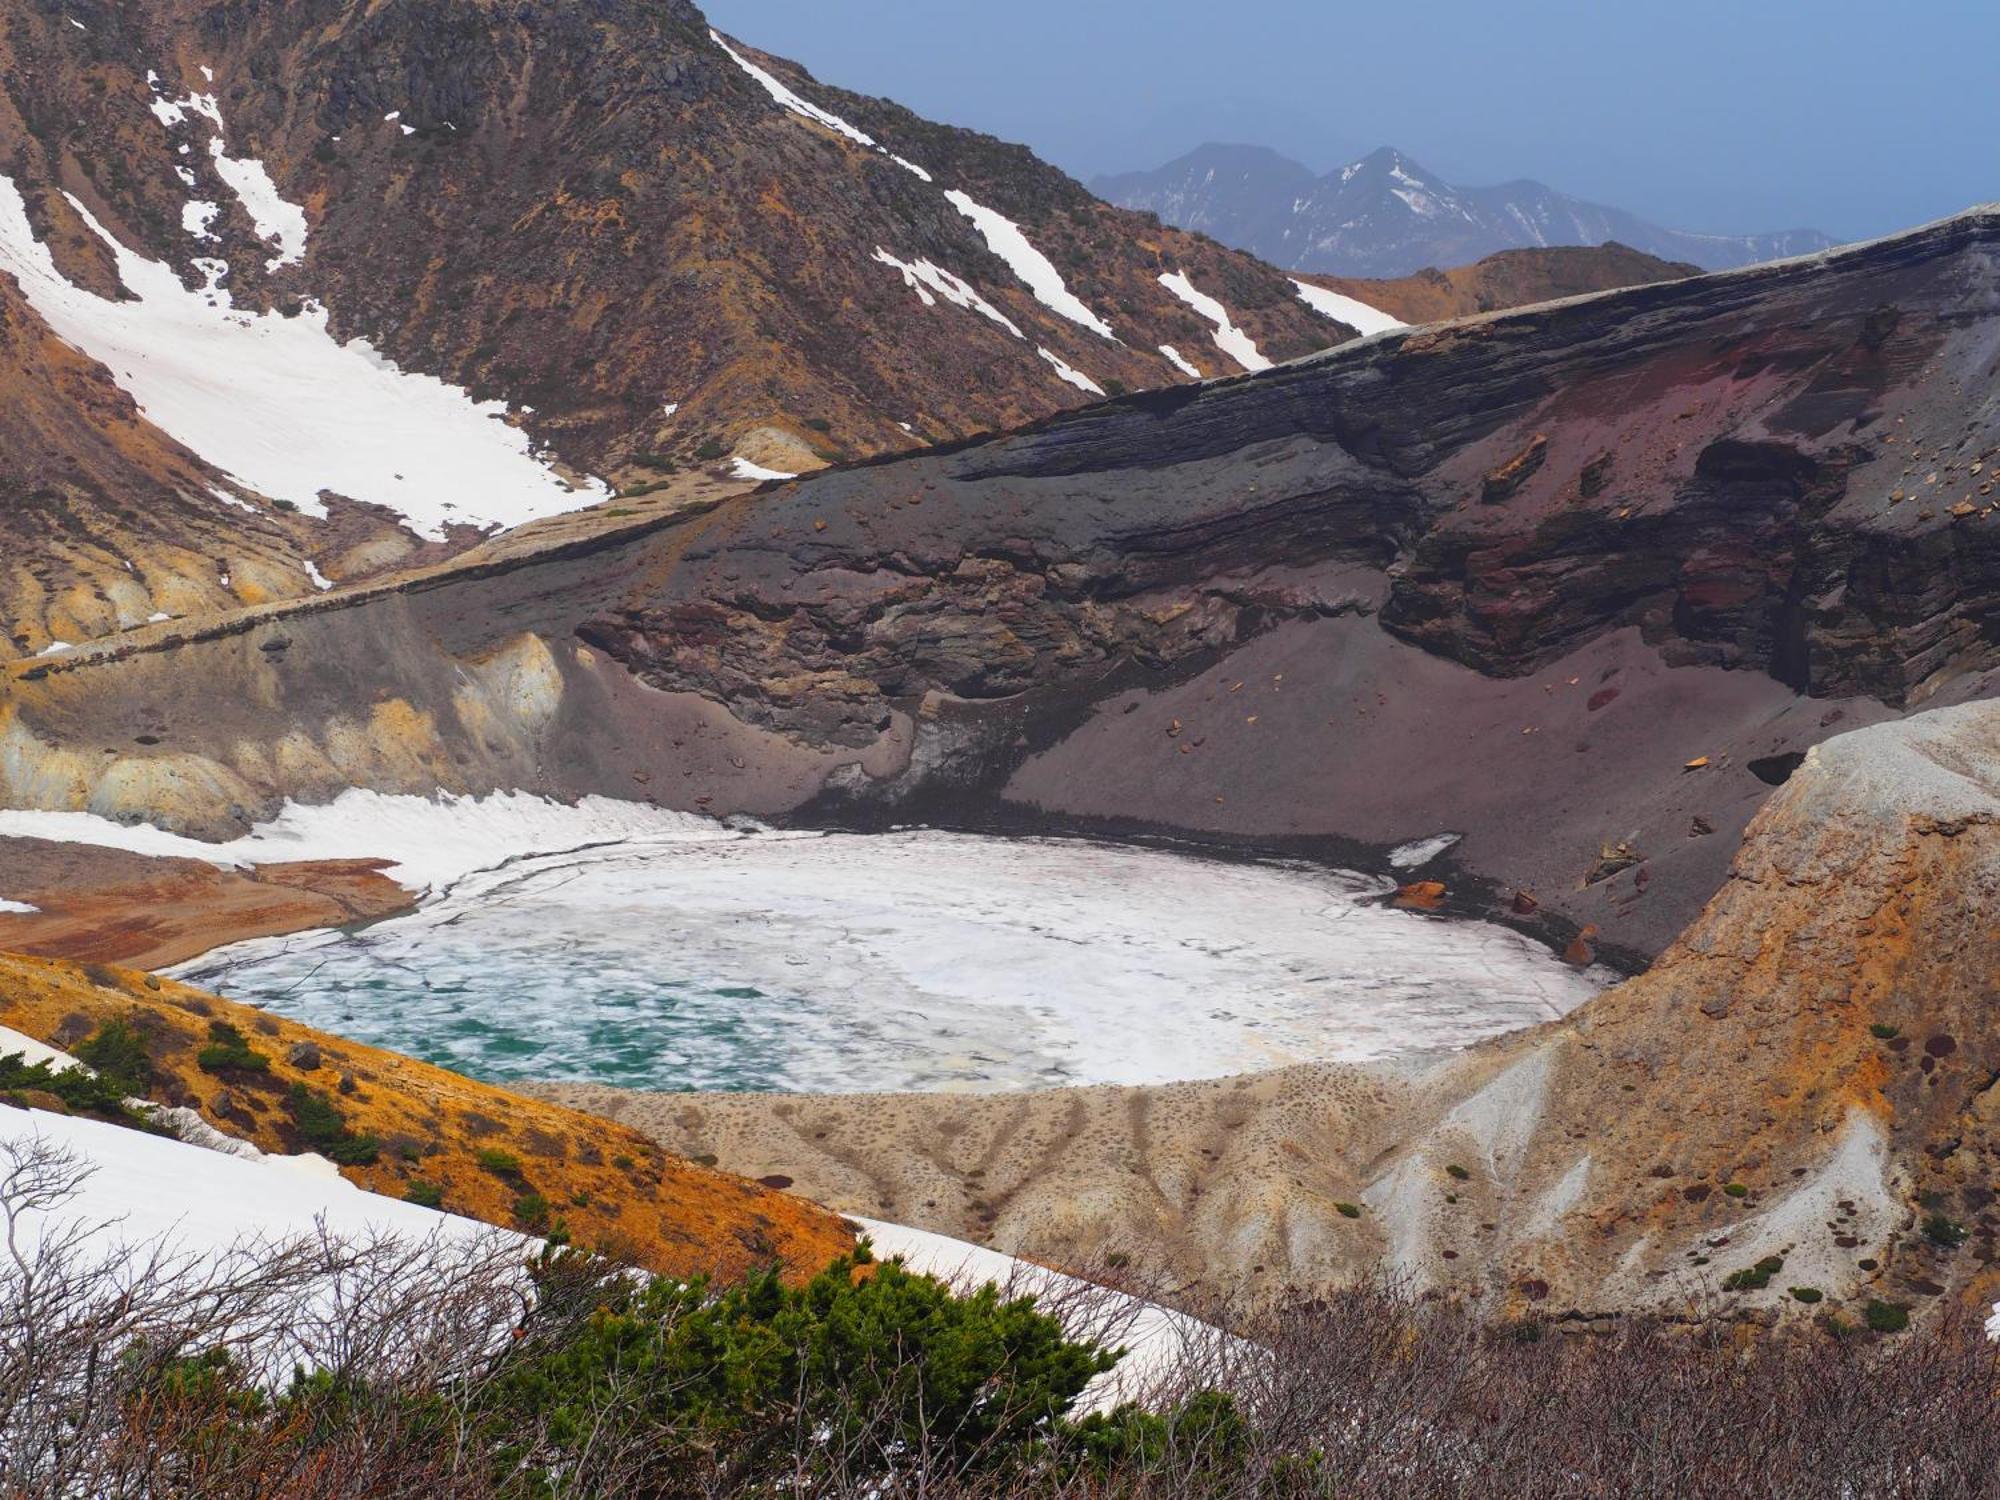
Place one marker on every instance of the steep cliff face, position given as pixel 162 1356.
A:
pixel 649 247
pixel 1806 1074
pixel 1580 584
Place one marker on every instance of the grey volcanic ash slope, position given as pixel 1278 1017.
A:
pixel 651 245
pixel 1579 583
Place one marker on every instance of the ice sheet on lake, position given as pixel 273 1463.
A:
pixel 917 960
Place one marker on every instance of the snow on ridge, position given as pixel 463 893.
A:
pixel 1180 362
pixel 1230 339
pixel 18 909
pixel 742 468
pixel 1359 316
pixel 924 278
pixel 790 100
pixel 1069 375
pixel 279 405
pixel 798 104
pixel 1006 239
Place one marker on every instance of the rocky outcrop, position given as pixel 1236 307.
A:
pixel 1807 1074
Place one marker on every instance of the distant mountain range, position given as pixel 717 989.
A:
pixel 1387 216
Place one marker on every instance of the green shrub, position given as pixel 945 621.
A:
pixel 229 1051
pixel 1455 1170
pixel 77 1088
pixel 1736 1190
pixel 622 1163
pixel 532 1209
pixel 886 1364
pixel 1885 1033
pixel 819 424
pixel 711 450
pixel 1754 1278
pixel 500 1163
pixel 1807 1294
pixel 322 1126
pixel 118 1054
pixel 1887 1317
pixel 1944 1231
pixel 424 1194
pixel 1349 1210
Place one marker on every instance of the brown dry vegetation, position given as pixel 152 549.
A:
pixel 486 1149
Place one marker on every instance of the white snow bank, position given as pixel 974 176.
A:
pixel 276 220
pixel 155 1192
pixel 742 468
pixel 1071 376
pixel 1154 1338
pixel 1230 339
pixel 924 278
pixel 282 407
pixel 18 908
pixel 1005 239
pixel 1359 316
pixel 1175 358
pixel 429 843
pixel 18 1044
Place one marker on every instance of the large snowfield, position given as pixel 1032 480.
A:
pixel 278 404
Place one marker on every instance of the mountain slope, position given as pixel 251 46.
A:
pixel 386 276
pixel 482 1148
pixel 1508 279
pixel 1576 582
pixel 1386 216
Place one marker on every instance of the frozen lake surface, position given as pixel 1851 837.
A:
pixel 911 960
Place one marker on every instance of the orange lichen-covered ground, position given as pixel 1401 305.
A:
pixel 491 1154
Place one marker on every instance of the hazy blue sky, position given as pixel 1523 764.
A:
pixel 1856 118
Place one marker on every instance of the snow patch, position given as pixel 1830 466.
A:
pixel 1230 339
pixel 924 278
pixel 34 1053
pixel 742 468
pixel 157 1192
pixel 18 909
pixel 1074 377
pixel 1175 359
pixel 282 407
pixel 1005 239
pixel 1359 316
pixel 277 221
pixel 319 580
pixel 792 101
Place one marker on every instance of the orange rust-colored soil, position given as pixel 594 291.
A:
pixel 492 1153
